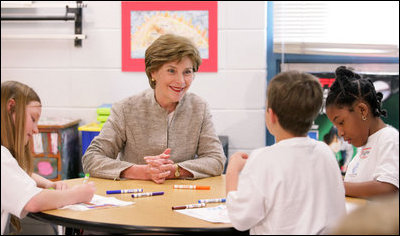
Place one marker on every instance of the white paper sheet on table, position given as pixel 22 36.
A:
pixel 217 214
pixel 350 207
pixel 98 202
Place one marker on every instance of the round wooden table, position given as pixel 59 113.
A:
pixel 147 214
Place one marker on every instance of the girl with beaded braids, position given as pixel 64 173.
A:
pixel 354 107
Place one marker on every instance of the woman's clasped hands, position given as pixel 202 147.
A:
pixel 159 167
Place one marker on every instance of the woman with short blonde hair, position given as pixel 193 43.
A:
pixel 163 132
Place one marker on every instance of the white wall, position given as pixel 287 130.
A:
pixel 73 81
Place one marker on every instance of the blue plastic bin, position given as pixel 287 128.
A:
pixel 89 131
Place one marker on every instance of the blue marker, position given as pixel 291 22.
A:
pixel 212 200
pixel 147 194
pixel 135 190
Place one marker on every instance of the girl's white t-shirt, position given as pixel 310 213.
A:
pixel 378 159
pixel 17 188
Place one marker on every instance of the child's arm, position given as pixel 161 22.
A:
pixel 245 205
pixel 42 182
pixel 368 189
pixel 52 199
pixel 235 165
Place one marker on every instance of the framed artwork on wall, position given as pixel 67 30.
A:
pixel 143 22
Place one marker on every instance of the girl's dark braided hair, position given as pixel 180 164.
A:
pixel 349 87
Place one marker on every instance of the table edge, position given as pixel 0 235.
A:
pixel 120 228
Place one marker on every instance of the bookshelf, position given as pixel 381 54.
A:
pixel 56 149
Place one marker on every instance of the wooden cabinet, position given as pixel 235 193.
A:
pixel 56 149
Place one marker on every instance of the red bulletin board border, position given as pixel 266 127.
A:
pixel 209 64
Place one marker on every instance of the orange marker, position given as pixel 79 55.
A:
pixel 196 187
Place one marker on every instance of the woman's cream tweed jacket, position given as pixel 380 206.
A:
pixel 138 127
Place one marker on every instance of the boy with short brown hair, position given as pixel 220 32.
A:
pixel 294 186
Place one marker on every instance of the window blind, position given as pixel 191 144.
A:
pixel 337 28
